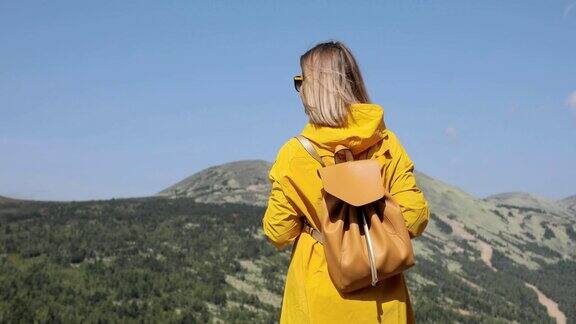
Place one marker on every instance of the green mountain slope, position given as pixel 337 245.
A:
pixel 569 203
pixel 122 260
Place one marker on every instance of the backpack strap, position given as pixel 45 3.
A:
pixel 308 146
pixel 316 234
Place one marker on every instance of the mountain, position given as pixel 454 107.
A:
pixel 6 199
pixel 240 181
pixel 533 202
pixel 519 229
pixel 196 252
pixel 510 222
pixel 569 203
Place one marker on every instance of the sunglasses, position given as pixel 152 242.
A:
pixel 298 82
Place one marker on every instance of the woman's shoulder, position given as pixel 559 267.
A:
pixel 287 151
pixel 391 144
pixel 292 158
pixel 291 149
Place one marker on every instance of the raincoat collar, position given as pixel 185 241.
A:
pixel 365 128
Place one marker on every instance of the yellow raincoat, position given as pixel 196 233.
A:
pixel 309 295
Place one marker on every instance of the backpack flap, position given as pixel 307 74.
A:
pixel 356 182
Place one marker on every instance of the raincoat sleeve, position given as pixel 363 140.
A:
pixel 404 189
pixel 281 222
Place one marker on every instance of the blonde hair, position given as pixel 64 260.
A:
pixel 332 82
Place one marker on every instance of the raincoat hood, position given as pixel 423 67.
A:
pixel 365 128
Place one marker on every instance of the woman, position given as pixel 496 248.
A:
pixel 337 104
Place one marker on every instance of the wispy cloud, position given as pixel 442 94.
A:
pixel 513 108
pixel 571 101
pixel 568 8
pixel 454 160
pixel 452 134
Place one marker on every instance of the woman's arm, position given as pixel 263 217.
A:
pixel 281 222
pixel 404 189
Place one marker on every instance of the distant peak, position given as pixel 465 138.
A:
pixel 243 181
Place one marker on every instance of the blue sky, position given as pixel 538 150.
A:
pixel 124 98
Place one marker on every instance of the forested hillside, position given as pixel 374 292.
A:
pixel 158 259
pixel 128 260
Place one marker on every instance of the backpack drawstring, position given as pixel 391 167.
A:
pixel 369 247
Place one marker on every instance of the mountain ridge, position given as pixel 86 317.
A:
pixel 525 218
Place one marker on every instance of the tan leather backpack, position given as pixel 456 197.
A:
pixel 362 229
